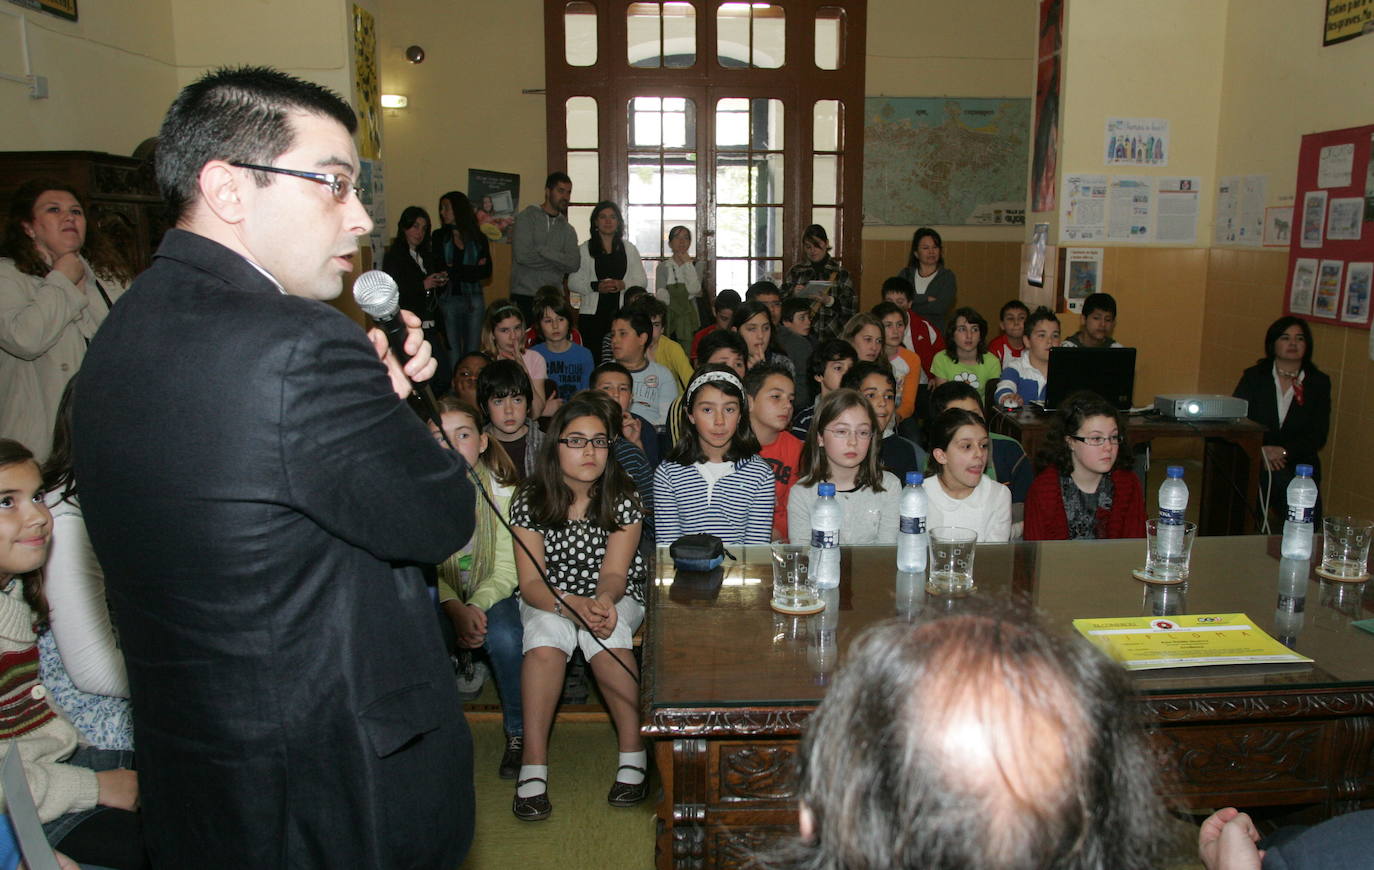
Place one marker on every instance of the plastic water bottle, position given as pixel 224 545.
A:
pixel 1297 530
pixel 912 540
pixel 1173 501
pixel 825 538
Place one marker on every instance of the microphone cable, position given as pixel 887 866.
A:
pixel 378 295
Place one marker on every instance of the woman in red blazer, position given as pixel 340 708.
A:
pixel 1087 489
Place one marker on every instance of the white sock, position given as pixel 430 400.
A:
pixel 639 759
pixel 538 772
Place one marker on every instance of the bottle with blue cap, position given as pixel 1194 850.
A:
pixel 1297 530
pixel 912 540
pixel 1173 503
pixel 826 518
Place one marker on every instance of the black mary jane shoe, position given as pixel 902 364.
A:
pixel 624 794
pixel 532 809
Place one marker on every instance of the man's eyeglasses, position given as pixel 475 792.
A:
pixel 1099 440
pixel 341 186
pixel 577 442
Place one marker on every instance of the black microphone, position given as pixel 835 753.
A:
pixel 378 295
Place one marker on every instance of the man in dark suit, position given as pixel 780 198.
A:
pixel 259 497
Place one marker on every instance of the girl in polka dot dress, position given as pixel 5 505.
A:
pixel 580 518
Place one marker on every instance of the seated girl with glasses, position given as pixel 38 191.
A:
pixel 959 493
pixel 712 481
pixel 1086 489
pixel 579 517
pixel 842 447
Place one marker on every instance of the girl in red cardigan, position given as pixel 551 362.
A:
pixel 1086 489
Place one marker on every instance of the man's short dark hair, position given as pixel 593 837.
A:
pixel 952 391
pixel 827 352
pixel 860 370
pixel 650 305
pixel 1099 302
pixel 754 378
pixel 794 305
pixel 555 179
pixel 1052 766
pixel 1012 305
pixel 761 288
pixel 898 284
pixel 637 318
pixel 727 299
pixel 238 115
pixel 719 338
pixel 501 380
pixel 609 368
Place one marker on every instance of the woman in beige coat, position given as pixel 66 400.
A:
pixel 57 283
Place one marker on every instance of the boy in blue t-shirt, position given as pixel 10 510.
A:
pixel 569 365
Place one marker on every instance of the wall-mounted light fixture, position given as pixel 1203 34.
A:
pixel 394 101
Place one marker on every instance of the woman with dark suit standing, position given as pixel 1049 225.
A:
pixel 1291 398
pixel 935 285
pixel 462 248
pixel 419 277
pixel 610 264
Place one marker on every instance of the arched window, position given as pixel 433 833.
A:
pixel 734 119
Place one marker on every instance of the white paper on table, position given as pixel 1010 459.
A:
pixel 1328 299
pixel 1130 208
pixel 1313 218
pixel 1304 285
pixel 1358 277
pixel 1334 165
pixel 23 814
pixel 1083 204
pixel 1344 218
pixel 1176 209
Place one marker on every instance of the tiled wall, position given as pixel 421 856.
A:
pixel 1245 294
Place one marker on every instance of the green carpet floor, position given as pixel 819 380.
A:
pixel 584 831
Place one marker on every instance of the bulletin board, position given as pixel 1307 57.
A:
pixel 1331 256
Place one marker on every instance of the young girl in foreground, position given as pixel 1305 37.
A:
pixel 477 583
pixel 959 493
pixel 86 797
pixel 1086 489
pixel 580 519
pixel 712 481
pixel 842 448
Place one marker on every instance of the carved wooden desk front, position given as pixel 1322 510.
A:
pixel 728 684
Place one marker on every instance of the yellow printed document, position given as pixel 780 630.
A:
pixel 1142 643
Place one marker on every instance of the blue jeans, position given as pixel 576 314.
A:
pixel 505 648
pixel 463 323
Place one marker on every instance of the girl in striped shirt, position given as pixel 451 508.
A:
pixel 712 481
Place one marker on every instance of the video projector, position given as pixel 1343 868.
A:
pixel 1189 406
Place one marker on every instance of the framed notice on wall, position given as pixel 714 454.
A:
pixel 1332 232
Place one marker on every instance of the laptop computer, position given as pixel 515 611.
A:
pixel 1107 371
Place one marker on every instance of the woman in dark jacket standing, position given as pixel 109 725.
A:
pixel 420 277
pixel 936 288
pixel 462 248
pixel 1291 398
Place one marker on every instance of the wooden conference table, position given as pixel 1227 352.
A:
pixel 728 683
pixel 1231 463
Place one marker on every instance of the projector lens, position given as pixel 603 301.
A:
pixel 1194 407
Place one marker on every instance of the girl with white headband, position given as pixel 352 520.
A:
pixel 712 480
